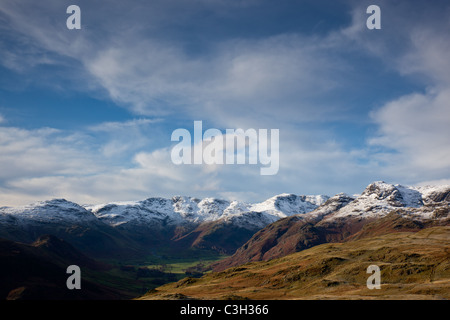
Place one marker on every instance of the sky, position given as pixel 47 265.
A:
pixel 87 114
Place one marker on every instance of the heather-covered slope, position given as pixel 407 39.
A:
pixel 413 266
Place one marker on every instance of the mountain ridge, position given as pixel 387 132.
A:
pixel 37 271
pixel 381 208
pixel 179 226
pixel 181 222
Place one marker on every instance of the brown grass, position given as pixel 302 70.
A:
pixel 413 266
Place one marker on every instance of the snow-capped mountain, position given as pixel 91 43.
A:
pixel 212 223
pixel 380 209
pixel 152 211
pixel 152 222
pixel 285 205
pixel 65 220
pixel 181 210
pixel 330 206
pixel 51 211
pixel 380 198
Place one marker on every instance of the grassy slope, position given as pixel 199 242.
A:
pixel 290 235
pixel 413 266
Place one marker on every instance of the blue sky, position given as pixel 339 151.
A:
pixel 88 114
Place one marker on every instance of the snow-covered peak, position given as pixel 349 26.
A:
pixel 56 210
pixel 396 195
pixel 196 210
pixel 381 191
pixel 331 205
pixel 177 210
pixel 182 209
pixel 213 209
pixel 380 198
pixel 151 210
pixel 286 204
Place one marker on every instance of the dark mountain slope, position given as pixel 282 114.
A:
pixel 38 271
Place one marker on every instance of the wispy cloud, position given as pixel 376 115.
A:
pixel 154 76
pixel 127 137
pixel 42 152
pixel 414 129
pixel 117 125
pixel 313 87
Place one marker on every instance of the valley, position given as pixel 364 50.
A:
pixel 413 266
pixel 286 247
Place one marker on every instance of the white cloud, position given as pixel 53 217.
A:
pixel 48 163
pixel 428 56
pixel 42 152
pixel 240 79
pixel 438 182
pixel 125 138
pixel 230 83
pixel 114 126
pixel 417 127
pixel 412 140
pixel 275 82
pixel 153 175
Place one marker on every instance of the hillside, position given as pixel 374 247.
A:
pixel 413 266
pixel 38 271
pixel 381 209
pixel 144 241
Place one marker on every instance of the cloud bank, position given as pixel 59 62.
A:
pixel 342 122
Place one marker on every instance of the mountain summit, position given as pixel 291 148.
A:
pixel 180 222
pixel 136 226
pixel 380 209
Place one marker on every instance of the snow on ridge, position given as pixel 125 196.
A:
pixel 429 191
pixel 411 196
pixel 151 210
pixel 56 210
pixel 285 204
pixel 332 204
pixel 378 199
pixel 181 209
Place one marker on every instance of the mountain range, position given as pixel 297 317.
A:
pixel 275 228
pixel 126 229
pixel 380 209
